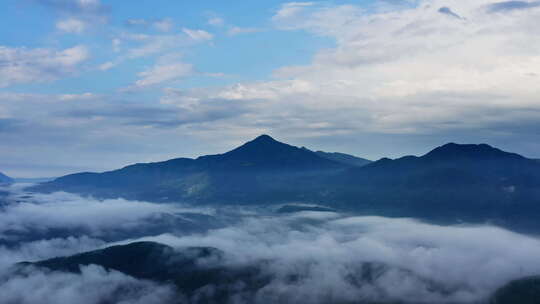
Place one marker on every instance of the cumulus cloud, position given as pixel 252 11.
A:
pixel 409 71
pixel 23 65
pixel 389 45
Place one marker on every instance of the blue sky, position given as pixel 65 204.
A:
pixel 241 57
pixel 97 84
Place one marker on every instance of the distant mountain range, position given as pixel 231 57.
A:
pixel 454 182
pixel 260 171
pixel 468 183
pixel 4 179
pixel 34 179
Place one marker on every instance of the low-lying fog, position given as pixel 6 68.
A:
pixel 323 249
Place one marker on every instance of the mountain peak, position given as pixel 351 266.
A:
pixel 470 151
pixel 262 145
pixel 264 138
pixel 268 152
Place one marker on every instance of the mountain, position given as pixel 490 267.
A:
pixel 33 179
pixel 4 179
pixel 189 269
pixel 204 275
pixel 266 153
pixel 262 170
pixel 452 182
pixel 344 158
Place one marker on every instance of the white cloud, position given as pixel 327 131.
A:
pixel 89 3
pixel 46 249
pixel 291 9
pixel 71 26
pixel 142 45
pixel 83 96
pixel 216 21
pixel 164 72
pixel 25 217
pixel 164 25
pixel 235 30
pixel 116 44
pixel 137 22
pixel 22 65
pixel 92 286
pixel 86 8
pixel 406 71
pixel 75 13
pixel 198 35
pixel 106 66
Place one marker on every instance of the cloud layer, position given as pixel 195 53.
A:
pixel 42 216
pixel 310 257
pixel 94 285
pixel 328 252
pixel 23 65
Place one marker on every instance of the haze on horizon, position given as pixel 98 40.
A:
pixel 96 85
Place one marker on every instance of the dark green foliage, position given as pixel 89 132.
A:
pixel 522 291
pixel 189 269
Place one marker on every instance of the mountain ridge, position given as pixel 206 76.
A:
pixel 344 158
pixel 451 183
pixel 4 179
pixel 260 170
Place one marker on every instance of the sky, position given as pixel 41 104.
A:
pixel 93 85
